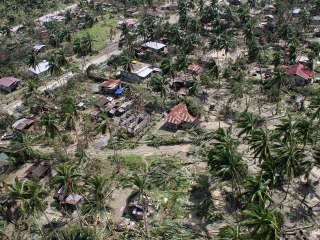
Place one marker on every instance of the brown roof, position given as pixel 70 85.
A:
pixel 38 169
pixel 8 81
pixel 194 68
pixel 180 114
pixel 179 79
pixel 101 101
pixel 110 83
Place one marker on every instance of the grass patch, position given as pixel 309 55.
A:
pixel 99 32
pixel 132 162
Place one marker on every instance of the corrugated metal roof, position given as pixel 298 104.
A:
pixel 144 72
pixel 40 68
pixel 8 81
pixel 180 114
pixel 154 45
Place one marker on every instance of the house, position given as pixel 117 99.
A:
pixel 138 74
pixel 296 12
pixel 195 69
pixel 102 4
pixel 300 74
pixel 41 69
pixel 170 7
pixel 74 200
pixel 156 46
pixel 109 87
pixel 102 101
pixel 39 48
pixel 4 163
pixel 178 83
pixel 39 171
pixel 154 14
pixel 137 208
pixel 9 84
pixel 180 116
pixel 22 124
pixel 130 22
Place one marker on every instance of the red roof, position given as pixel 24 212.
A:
pixel 300 70
pixel 8 81
pixel 110 83
pixel 180 114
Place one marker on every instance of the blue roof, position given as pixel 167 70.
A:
pixel 119 91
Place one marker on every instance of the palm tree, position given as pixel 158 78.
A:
pixel 226 43
pixel 167 68
pixel 248 122
pixel 95 202
pixel 225 161
pixel 67 178
pixel 279 79
pixel 127 63
pixel 32 59
pixel 54 66
pixel 49 123
pixel 315 107
pixel 36 205
pixel 231 233
pixel 290 160
pixel 276 58
pixel 285 130
pixel 256 53
pixel 214 69
pixel 305 129
pixel 265 223
pixel 159 84
pixel 292 52
pixel 138 183
pixel 261 142
pixel 257 190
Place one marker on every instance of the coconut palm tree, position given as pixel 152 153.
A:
pixel 276 58
pixel 32 59
pixel 225 161
pixel 50 125
pixel 257 190
pixel 167 68
pixel 285 130
pixel 67 178
pixel 256 53
pixel 95 201
pixel 138 183
pixel 290 159
pixel 261 142
pixel 54 66
pixel 159 84
pixel 315 108
pixel 36 204
pixel 304 130
pixel 248 122
pixel 227 43
pixel 127 63
pixel 279 79
pixel 264 223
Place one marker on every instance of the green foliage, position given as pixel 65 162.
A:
pixel 75 232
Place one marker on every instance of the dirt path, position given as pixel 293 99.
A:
pixel 118 203
pixel 145 150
